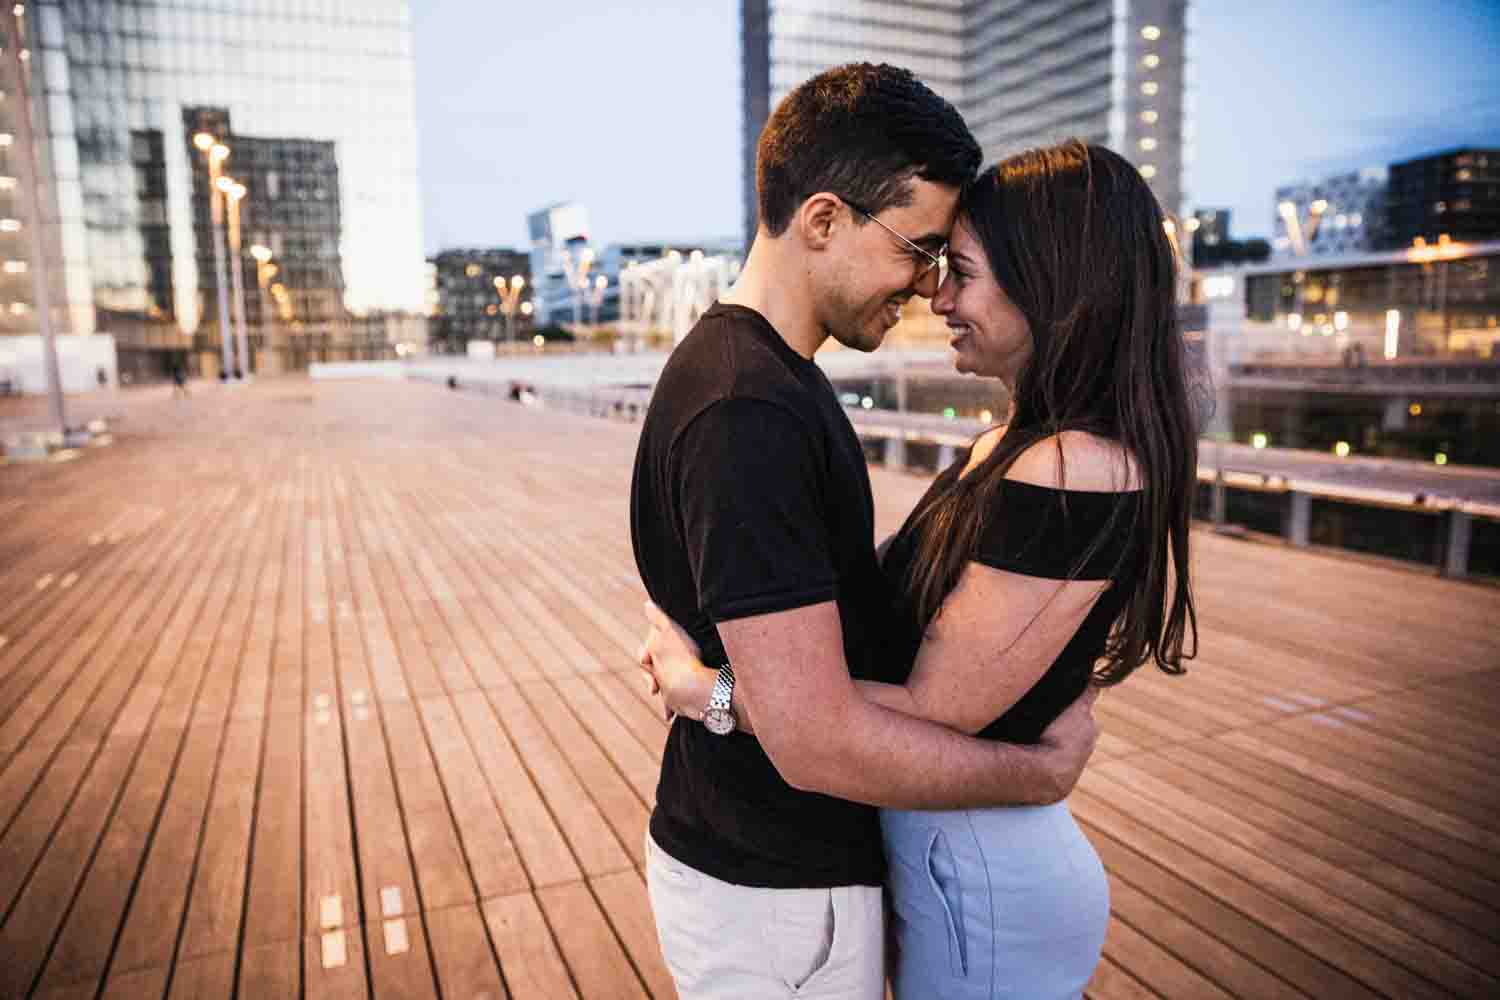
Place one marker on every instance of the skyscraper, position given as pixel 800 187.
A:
pixel 313 99
pixel 1022 72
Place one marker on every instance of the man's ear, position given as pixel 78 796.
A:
pixel 817 219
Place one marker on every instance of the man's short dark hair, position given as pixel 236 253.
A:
pixel 863 132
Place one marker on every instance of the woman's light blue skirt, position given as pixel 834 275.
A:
pixel 994 903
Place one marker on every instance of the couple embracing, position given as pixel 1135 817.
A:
pixel 860 731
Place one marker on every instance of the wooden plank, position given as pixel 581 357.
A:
pixel 26 934
pixel 154 913
pixel 273 912
pixel 1295 849
pixel 593 953
pixel 461 948
pixel 533 967
pixel 81 951
pixel 589 835
pixel 138 985
pixel 204 976
pixel 1111 982
pixel 640 767
pixel 621 806
pixel 216 899
pixel 1149 962
pixel 493 862
pixel 1154 874
pixel 341 981
pixel 442 872
pixel 537 838
pixel 1348 846
pixel 1407 839
pixel 1257 888
pixel 271 970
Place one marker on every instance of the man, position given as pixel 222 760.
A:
pixel 753 525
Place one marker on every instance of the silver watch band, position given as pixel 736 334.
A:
pixel 723 692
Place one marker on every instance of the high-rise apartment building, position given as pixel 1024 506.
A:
pixel 314 100
pixel 1023 73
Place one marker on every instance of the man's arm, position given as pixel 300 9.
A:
pixel 824 736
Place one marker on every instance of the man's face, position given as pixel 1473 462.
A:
pixel 872 272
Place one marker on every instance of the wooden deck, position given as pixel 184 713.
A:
pixel 327 690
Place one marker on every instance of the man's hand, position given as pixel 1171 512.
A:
pixel 1069 742
pixel 670 656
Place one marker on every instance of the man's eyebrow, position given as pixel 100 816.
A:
pixel 931 241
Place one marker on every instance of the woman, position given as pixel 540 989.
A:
pixel 1052 555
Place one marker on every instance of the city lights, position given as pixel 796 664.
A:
pixel 1150 32
pixel 1415 409
pixel 1441 458
pixel 1259 439
pixel 1392 332
pixel 1341 449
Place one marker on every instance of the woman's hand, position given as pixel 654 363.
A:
pixel 670 656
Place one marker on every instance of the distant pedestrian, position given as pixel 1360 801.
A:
pixel 102 376
pixel 179 382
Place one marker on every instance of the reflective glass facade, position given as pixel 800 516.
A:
pixel 1024 73
pixel 314 98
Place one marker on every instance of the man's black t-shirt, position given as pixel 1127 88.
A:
pixel 751 496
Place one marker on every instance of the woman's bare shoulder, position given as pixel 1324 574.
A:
pixel 1077 460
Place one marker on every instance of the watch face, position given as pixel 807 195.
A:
pixel 719 721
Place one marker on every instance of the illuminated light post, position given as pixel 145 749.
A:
pixel 215 152
pixel 234 192
pixel 264 272
pixel 510 295
pixel 578 278
pixel 16 59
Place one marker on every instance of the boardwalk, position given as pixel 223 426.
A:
pixel 327 690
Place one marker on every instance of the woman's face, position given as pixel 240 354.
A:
pixel 990 336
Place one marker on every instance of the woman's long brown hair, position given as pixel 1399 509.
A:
pixel 1078 242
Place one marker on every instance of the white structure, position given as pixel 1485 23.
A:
pixel 80 360
pixel 670 293
pixel 1023 73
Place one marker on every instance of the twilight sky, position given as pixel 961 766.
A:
pixel 634 109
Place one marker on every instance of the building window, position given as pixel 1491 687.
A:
pixel 1150 32
pixel 1149 88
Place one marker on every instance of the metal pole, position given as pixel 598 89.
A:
pixel 30 180
pixel 239 285
pixel 216 213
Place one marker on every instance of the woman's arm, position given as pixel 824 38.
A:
pixel 997 634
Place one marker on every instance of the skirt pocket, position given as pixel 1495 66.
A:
pixel 942 876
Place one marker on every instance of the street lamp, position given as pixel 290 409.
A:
pixel 215 153
pixel 234 192
pixel 510 294
pixel 265 271
pixel 578 278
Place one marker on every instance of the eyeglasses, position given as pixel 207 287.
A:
pixel 925 260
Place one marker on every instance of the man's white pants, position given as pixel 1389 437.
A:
pixel 743 943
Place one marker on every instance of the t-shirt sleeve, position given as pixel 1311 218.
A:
pixel 749 483
pixel 1057 534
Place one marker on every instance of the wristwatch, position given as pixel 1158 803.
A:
pixel 718 717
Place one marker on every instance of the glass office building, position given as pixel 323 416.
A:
pixel 1024 73
pixel 314 99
